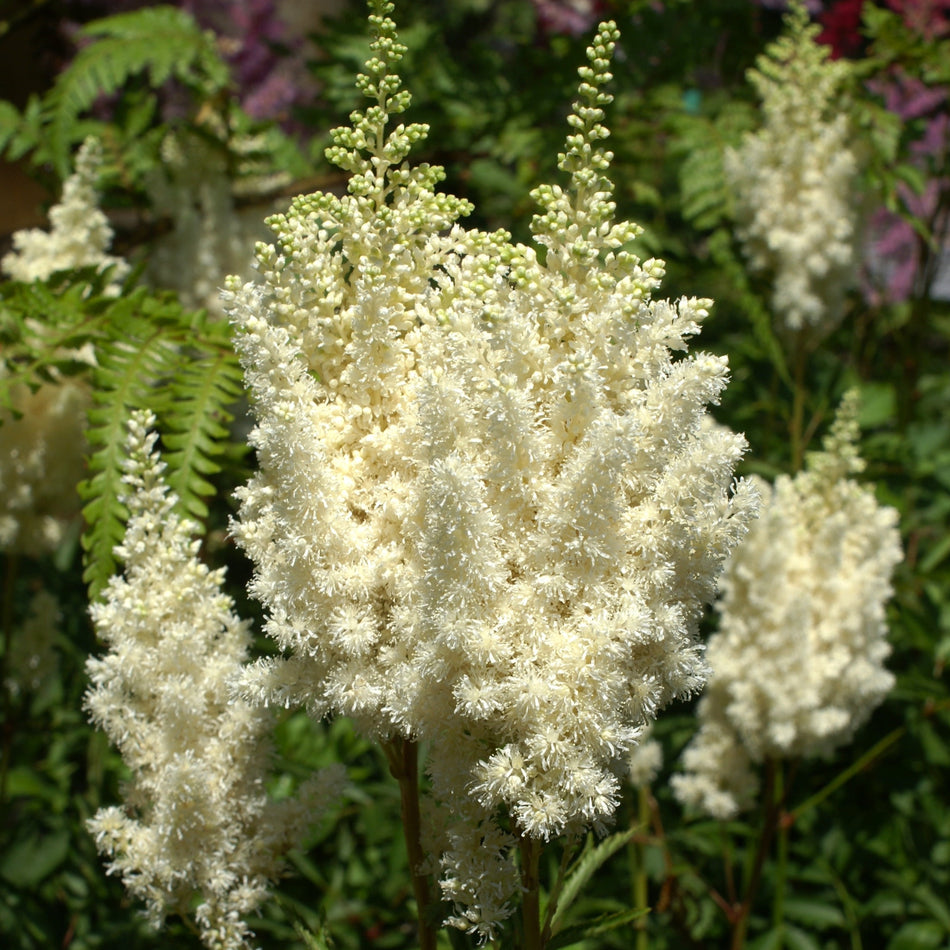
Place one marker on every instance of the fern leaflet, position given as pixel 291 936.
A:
pixel 206 382
pixel 161 42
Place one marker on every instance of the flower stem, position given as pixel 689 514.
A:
pixel 6 622
pixel 531 888
pixel 781 865
pixel 773 797
pixel 640 891
pixel 797 423
pixel 403 757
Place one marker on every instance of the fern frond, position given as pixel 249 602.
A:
pixel 161 42
pixel 10 122
pixel 591 858
pixel 181 366
pixel 129 367
pixel 721 251
pixel 702 142
pixel 44 330
pixel 206 383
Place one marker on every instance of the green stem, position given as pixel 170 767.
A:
pixel 740 921
pixel 859 765
pixel 570 848
pixel 403 756
pixel 797 423
pixel 640 883
pixel 6 619
pixel 531 892
pixel 781 865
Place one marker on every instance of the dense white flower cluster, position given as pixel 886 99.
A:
pixel 209 239
pixel 794 181
pixel 644 761
pixel 41 462
pixel 797 663
pixel 197 820
pixel 80 234
pixel 488 511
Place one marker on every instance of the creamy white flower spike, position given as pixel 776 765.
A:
pixel 488 512
pixel 79 234
pixel 210 238
pixel 794 181
pixel 797 662
pixel 644 762
pixel 42 452
pixel 197 821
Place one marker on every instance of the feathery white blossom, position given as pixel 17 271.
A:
pixel 79 235
pixel 197 820
pixel 41 462
pixel 644 761
pixel 797 662
pixel 488 511
pixel 209 239
pixel 794 181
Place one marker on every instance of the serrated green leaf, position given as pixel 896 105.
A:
pixel 122 382
pixel 161 42
pixel 201 391
pixel 797 939
pixel 10 123
pixel 594 928
pixel 919 935
pixel 814 913
pixel 590 859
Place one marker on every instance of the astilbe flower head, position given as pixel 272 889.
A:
pixel 794 181
pixel 79 235
pixel 488 508
pixel 197 820
pixel 42 448
pixel 797 662
pixel 209 237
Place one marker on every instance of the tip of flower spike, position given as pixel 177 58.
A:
pixel 839 455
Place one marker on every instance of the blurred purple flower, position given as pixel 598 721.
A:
pixel 574 17
pixel 266 60
pixel 929 18
pixel 895 249
pixel 812 6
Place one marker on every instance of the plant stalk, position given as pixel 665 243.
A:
pixel 531 892
pixel 740 917
pixel 6 620
pixel 403 756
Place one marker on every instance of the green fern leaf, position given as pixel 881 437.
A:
pixel 702 142
pixel 592 929
pixel 591 858
pixel 10 123
pixel 36 351
pixel 205 384
pixel 162 42
pixel 721 251
pixel 128 369
pixel 181 366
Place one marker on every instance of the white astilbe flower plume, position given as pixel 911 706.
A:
pixel 797 662
pixel 794 181
pixel 42 451
pixel 197 820
pixel 79 234
pixel 489 509
pixel 209 238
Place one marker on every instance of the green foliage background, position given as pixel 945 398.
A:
pixel 865 862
